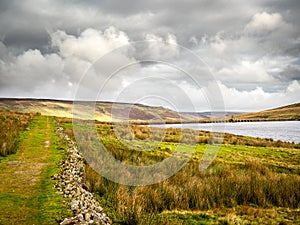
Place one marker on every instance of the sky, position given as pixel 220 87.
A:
pixel 193 55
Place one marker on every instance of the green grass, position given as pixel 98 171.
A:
pixel 26 190
pixel 238 215
pixel 257 183
pixel 251 181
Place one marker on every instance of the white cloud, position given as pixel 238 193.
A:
pixel 218 44
pixel 34 74
pixel 160 48
pixel 31 71
pixel 245 72
pixel 242 60
pixel 294 87
pixel 91 44
pixel 271 33
pixel 207 98
pixel 258 98
pixel 262 22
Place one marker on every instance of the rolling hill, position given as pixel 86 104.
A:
pixel 121 111
pixel 289 112
pixel 139 113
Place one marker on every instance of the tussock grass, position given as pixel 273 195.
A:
pixel 250 177
pixel 11 124
pixel 221 186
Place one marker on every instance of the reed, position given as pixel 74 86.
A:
pixel 12 123
pixel 228 183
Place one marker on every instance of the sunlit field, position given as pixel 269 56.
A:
pixel 251 180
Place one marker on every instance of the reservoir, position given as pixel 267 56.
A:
pixel 277 130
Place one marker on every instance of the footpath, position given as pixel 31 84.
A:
pixel 27 193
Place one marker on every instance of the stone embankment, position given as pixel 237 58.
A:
pixel 70 184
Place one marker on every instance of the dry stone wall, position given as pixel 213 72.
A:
pixel 70 184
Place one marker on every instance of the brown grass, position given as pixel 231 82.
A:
pixel 221 186
pixel 11 124
pixel 249 183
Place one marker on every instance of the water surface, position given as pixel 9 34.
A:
pixel 277 130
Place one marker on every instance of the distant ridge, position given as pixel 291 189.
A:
pixel 138 113
pixel 288 112
pixel 69 101
pixel 212 114
pixel 295 105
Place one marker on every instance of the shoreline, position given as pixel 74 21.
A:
pixel 212 120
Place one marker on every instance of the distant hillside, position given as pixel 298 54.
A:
pixel 289 112
pixel 213 114
pixel 60 108
pixel 139 113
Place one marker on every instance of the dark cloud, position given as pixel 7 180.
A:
pixel 291 73
pixel 183 18
pixel 23 39
pixel 252 47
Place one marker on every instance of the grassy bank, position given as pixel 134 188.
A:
pixel 252 180
pixel 27 195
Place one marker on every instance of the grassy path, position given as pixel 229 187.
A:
pixel 26 189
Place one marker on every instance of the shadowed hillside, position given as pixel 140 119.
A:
pixel 103 110
pixel 138 113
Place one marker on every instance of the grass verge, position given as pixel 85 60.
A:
pixel 27 195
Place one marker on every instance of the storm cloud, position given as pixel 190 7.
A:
pixel 252 49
